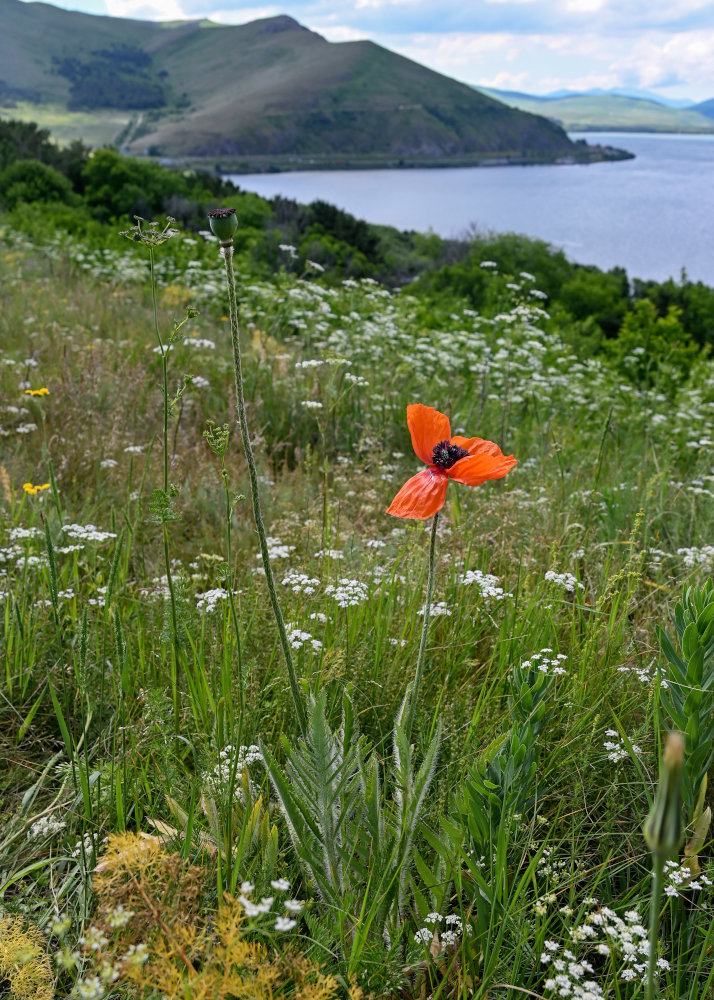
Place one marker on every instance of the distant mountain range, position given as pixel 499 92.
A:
pixel 266 94
pixel 612 111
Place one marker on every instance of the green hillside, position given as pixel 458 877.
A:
pixel 607 113
pixel 706 108
pixel 267 93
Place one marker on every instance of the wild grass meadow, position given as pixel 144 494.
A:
pixel 393 794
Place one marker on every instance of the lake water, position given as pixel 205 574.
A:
pixel 653 215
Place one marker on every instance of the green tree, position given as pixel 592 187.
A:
pixel 29 181
pixel 651 349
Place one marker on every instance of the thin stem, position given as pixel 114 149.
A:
pixel 424 630
pixel 255 492
pixel 231 595
pixel 658 868
pixel 167 558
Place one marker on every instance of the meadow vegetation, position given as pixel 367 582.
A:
pixel 176 820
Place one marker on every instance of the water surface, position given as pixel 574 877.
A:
pixel 653 215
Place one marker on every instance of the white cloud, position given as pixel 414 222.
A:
pixel 147 10
pixel 660 62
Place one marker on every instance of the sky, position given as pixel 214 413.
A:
pixel 536 46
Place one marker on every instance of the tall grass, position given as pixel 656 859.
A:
pixel 143 689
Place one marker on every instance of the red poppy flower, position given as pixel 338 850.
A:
pixel 470 461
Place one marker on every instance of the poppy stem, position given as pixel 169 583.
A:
pixel 424 630
pixel 255 492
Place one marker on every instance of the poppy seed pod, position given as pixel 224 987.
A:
pixel 663 826
pixel 223 223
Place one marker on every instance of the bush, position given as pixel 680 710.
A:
pixel 30 181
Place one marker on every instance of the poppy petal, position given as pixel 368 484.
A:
pixel 427 427
pixel 421 496
pixel 476 446
pixel 477 469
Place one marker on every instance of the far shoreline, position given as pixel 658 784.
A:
pixel 584 155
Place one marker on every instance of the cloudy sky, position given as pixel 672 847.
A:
pixel 664 46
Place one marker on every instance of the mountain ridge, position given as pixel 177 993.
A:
pixel 268 89
pixel 609 112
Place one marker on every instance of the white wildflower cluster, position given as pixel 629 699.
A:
pixel 300 583
pixel 135 956
pixel 348 593
pixel 108 463
pixel 486 583
pixel 118 916
pixel 644 672
pixel 617 747
pixel 94 939
pixel 311 404
pixel 276 549
pixel 703 556
pixel 438 608
pixel 84 847
pixel 678 878
pixel 565 580
pixel 356 380
pixel 606 934
pixel 45 826
pixel 89 988
pixel 556 869
pixel 297 639
pixel 62 595
pixel 232 763
pixel 87 532
pixel 20 534
pixel 375 543
pixel 99 600
pixel 199 343
pixel 31 562
pixel 283 922
pixel 547 662
pixel 209 600
pixel 200 382
pixel 134 449
pixel 432 931
pixel 330 554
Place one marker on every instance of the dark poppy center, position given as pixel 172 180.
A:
pixel 446 454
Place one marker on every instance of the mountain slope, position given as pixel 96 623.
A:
pixel 607 112
pixel 268 89
pixel 705 108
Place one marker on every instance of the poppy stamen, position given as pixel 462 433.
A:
pixel 447 454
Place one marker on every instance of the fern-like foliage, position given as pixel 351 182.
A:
pixel 354 837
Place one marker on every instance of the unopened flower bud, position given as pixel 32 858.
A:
pixel 223 223
pixel 663 826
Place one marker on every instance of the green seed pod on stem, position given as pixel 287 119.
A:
pixel 223 223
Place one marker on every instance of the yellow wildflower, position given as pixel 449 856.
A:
pixel 29 488
pixel 44 391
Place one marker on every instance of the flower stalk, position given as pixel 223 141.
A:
pixel 227 252
pixel 424 630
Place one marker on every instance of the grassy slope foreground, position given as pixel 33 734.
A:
pixel 126 713
pixel 264 92
pixel 608 112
